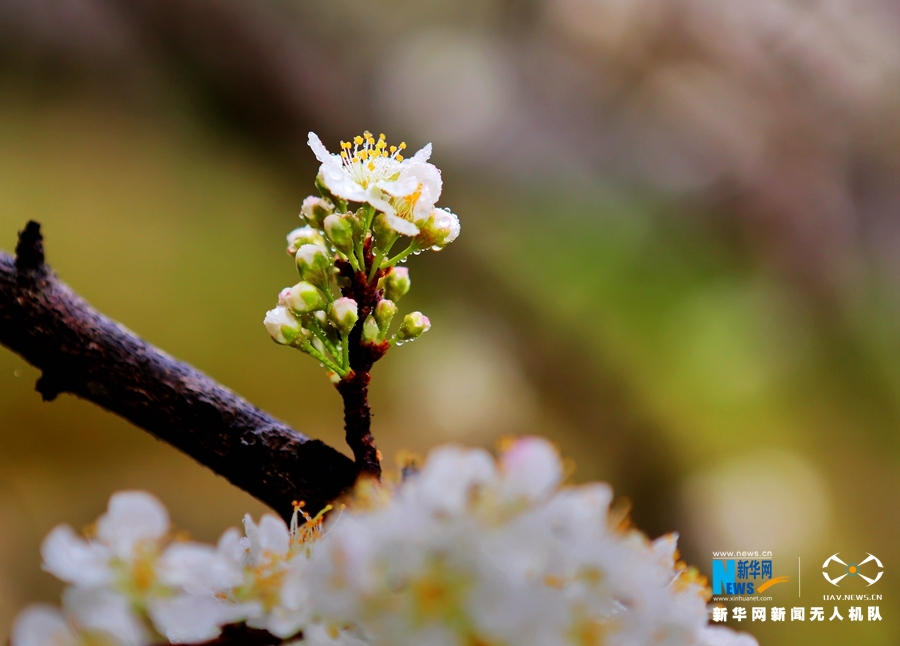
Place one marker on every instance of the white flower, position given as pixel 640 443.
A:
pixel 471 550
pixel 280 596
pixel 130 564
pixel 369 171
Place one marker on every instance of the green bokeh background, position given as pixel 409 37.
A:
pixel 734 381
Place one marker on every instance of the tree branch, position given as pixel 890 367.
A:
pixel 82 352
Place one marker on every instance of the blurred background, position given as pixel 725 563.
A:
pixel 680 251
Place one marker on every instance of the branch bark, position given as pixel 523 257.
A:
pixel 82 352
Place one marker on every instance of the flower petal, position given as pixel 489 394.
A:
pixel 271 536
pixel 401 226
pixel 132 517
pixel 189 619
pixel 104 610
pixel 74 560
pixel 423 154
pixel 198 569
pixel 531 468
pixel 318 148
pixel 41 625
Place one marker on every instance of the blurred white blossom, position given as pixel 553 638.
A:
pixel 469 550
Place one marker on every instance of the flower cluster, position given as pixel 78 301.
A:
pixel 370 198
pixel 469 550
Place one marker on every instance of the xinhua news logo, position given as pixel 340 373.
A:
pixel 745 576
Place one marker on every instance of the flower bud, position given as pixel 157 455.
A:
pixel 343 313
pixel 304 297
pixel 282 325
pixel 438 230
pixel 302 236
pixel 396 283
pixel 370 331
pixel 414 325
pixel 340 231
pixel 314 265
pixel 315 210
pixel 384 313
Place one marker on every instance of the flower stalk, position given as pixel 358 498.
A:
pixel 370 198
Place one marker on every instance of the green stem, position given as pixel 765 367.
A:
pixel 315 354
pixel 376 264
pixel 316 329
pixel 345 347
pixel 400 256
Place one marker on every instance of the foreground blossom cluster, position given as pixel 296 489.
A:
pixel 469 551
pixel 371 199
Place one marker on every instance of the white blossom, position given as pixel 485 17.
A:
pixel 131 566
pixel 470 550
pixel 371 172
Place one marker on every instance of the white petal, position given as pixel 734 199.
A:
pixel 531 468
pixel 376 199
pixel 74 560
pixel 132 517
pixel 104 610
pixel 198 569
pixel 422 154
pixel 233 546
pixel 189 619
pixel 401 187
pixel 339 182
pixel 271 536
pixel 401 226
pixel 318 148
pixel 41 626
pixel 451 474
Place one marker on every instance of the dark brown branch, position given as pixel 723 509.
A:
pixel 354 388
pixel 82 352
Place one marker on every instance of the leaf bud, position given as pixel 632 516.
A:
pixel 343 314
pixel 414 325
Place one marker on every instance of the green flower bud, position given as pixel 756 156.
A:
pixel 396 283
pixel 438 230
pixel 384 314
pixel 340 231
pixel 316 209
pixel 370 332
pixel 385 235
pixel 314 265
pixel 414 325
pixel 343 314
pixel 304 297
pixel 304 235
pixel 282 325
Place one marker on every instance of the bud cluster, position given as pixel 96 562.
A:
pixel 370 199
